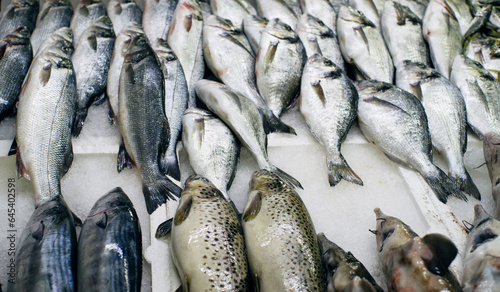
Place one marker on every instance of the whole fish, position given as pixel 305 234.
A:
pixel 121 12
pixel 91 62
pixel 212 148
pixel 62 37
pixel 484 49
pixel 143 123
pixel 362 45
pixel 244 118
pixel 234 10
pixel 442 31
pixel 318 38
pixel 207 223
pixel 395 121
pixel 368 8
pixel 343 271
pixel 185 38
pixel 122 42
pixel 413 263
pixel 19 13
pixel 402 31
pixel 328 103
pixel 480 91
pixel 491 149
pixel 482 253
pixel 15 61
pixel 86 13
pixel 446 114
pixel 47 250
pixel 158 15
pixel 288 11
pixel 176 101
pixel 230 58
pixel 253 26
pixel 53 15
pixel 282 248
pixel 418 7
pixel 321 9
pixel 45 115
pixel 110 242
pixel 278 65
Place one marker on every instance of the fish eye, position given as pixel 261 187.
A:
pixel 483 237
pixel 287 27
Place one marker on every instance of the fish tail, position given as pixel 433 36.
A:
pixel 464 182
pixel 170 166
pixel 286 177
pixel 156 193
pixel 338 169
pixel 443 186
pixel 80 117
pixel 274 124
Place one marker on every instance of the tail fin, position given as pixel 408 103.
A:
pixel 286 177
pixel 338 169
pixel 273 124
pixel 80 117
pixel 158 192
pixel 170 166
pixel 443 186
pixel 464 183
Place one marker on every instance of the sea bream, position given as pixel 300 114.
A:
pixel 282 247
pixel 234 10
pixel 85 14
pixel 288 11
pixel 157 18
pixel 207 240
pixel 395 121
pixel 19 13
pixel 484 49
pixel 491 151
pixel 122 12
pixel 368 8
pixel 143 124
pixel 413 263
pixel 62 37
pixel 321 9
pixel 328 103
pixel 416 6
pixel 253 26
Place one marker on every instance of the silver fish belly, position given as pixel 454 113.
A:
pixel 122 12
pixel 85 14
pixel 157 18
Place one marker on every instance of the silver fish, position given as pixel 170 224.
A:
pixel 288 11
pixel 402 31
pixel 207 223
pixel 484 49
pixel 19 13
pixel 15 60
pixel 46 111
pixel 361 44
pixel 445 109
pixel 480 19
pixel 480 91
pixel 234 10
pixel 123 12
pixel 318 38
pixel 491 149
pixel 85 14
pixel 62 37
pixel 442 31
pixel 176 101
pixel 328 103
pixel 416 6
pixel 278 65
pixel 343 271
pixel 322 9
pixel 185 39
pixel 253 26
pixel 282 248
pixel 91 61
pixel 157 18
pixel 53 15
pixel 110 242
pixel 413 263
pixel 368 8
pixel 143 123
pixel 461 10
pixel 212 148
pixel 244 118
pixel 395 121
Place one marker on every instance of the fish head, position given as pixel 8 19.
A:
pixel 402 13
pixel 321 67
pixel 63 38
pixel 222 24
pixel 391 232
pixel 110 204
pixel 349 14
pixel 193 125
pixel 56 3
pixel 314 25
pixel 485 229
pixel 24 3
pixel 265 180
pixel 281 30
pixel 103 27
pixel 48 216
pixel 255 21
pixel 163 51
pixel 90 2
pixel 367 87
pixel 138 50
pixel 125 37
pixel 331 253
pixel 20 36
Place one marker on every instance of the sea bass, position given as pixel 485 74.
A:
pixel 287 11
pixel 86 13
pixel 253 26
pixel 157 18
pixel 62 37
pixel 282 248
pixel 491 149
pixel 122 12
pixel 234 10
pixel 323 10
pixel 19 13
pixel 328 103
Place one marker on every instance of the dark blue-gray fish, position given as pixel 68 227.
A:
pixel 19 13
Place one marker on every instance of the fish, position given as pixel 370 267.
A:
pixel 418 7
pixel 368 8
pixel 157 18
pixel 62 37
pixel 122 42
pixel 343 271
pixel 244 118
pixel 319 38
pixel 53 15
pixel 395 121
pixel 19 13
pixel 85 14
pixel 230 58
pixel 91 61
pixel 482 253
pixel 446 115
pixel 46 256
pixel 461 10
pixel 413 263
pixel 323 10
pixel 402 32
pixel 45 115
pixel 288 11
pixel 480 19
pixel 282 247
pixel 491 152
pixel 480 91
pixel 442 31
pixel 15 60
pixel 110 242
pixel 484 50
pixel 278 65
pixel 253 26
pixel 207 223
pixel 176 101
pixel 143 122
pixel 185 38
pixel 362 45
pixel 122 12
pixel 234 10
pixel 212 149
pixel 328 102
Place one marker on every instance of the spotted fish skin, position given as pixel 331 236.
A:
pixel 282 247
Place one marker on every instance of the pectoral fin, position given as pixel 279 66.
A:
pixel 443 253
